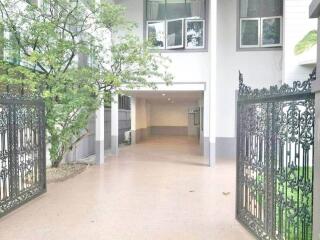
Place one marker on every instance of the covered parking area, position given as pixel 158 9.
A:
pixel 158 114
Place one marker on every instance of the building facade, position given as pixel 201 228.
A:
pixel 209 42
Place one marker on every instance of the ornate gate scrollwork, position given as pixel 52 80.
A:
pixel 22 150
pixel 275 140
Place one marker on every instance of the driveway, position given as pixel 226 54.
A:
pixel 160 189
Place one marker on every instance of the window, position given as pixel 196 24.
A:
pixel 175 33
pixel 124 102
pixel 176 24
pixel 11 48
pixel 34 2
pixel 157 33
pixel 83 60
pixel 195 33
pixel 260 23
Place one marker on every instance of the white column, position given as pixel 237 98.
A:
pixel 133 120
pixel 100 135
pixel 114 125
pixel 213 79
pixel 206 123
pixel 316 177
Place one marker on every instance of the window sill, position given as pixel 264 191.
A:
pixel 261 49
pixel 182 50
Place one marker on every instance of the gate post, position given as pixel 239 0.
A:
pixel 316 184
pixel 99 145
pixel 115 125
pixel 315 13
pixel 133 119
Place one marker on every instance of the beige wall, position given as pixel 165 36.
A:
pixel 163 118
pixel 161 114
pixel 142 113
pixel 167 114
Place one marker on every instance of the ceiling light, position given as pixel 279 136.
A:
pixel 163 94
pixel 169 99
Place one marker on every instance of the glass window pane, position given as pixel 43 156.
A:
pixel 195 34
pixel 156 34
pixel 35 2
pixel 12 48
pixel 250 8
pixel 249 32
pixel 271 8
pixel 176 9
pixel 261 8
pixel 271 31
pixel 175 34
pixel 195 8
pixel 82 60
pixel 156 10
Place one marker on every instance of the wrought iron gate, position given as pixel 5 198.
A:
pixel 275 160
pixel 22 151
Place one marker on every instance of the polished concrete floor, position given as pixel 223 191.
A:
pixel 157 190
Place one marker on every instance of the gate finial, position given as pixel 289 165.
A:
pixel 313 75
pixel 240 77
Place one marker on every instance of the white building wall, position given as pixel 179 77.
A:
pixel 260 68
pixel 296 25
pixel 186 67
pixel 219 71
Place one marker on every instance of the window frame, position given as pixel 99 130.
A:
pixel 260 48
pixel 165 31
pixel 180 50
pixel 187 20
pixel 281 32
pixel 259 33
pixel 182 33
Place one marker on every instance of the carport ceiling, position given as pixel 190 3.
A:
pixel 167 96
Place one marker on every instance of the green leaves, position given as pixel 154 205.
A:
pixel 306 43
pixel 69 61
pixel 135 66
pixel 111 16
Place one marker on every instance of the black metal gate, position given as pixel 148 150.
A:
pixel 275 160
pixel 22 151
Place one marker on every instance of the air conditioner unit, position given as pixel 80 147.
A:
pixel 127 137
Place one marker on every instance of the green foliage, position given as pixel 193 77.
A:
pixel 306 43
pixel 51 38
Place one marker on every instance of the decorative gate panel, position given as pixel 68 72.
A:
pixel 22 151
pixel 275 160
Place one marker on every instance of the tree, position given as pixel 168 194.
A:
pixel 50 39
pixel 306 43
